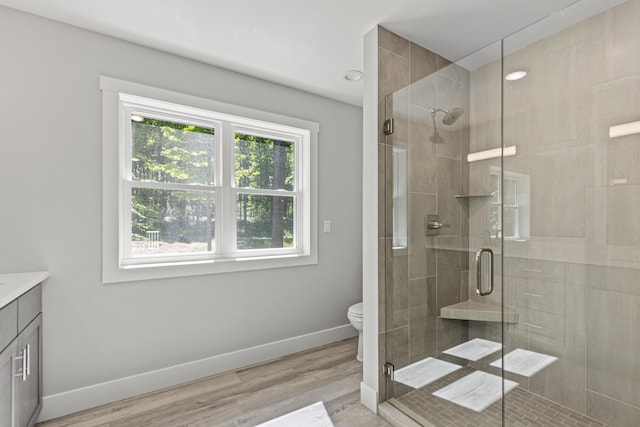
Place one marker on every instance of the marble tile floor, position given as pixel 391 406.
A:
pixel 248 396
pixel 424 372
pixel 476 391
pixel 474 349
pixel 314 415
pixel 524 362
pixel 522 409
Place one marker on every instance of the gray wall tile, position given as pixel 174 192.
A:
pixel 613 345
pixel 393 43
pixel 611 411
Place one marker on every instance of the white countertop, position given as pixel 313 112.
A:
pixel 12 285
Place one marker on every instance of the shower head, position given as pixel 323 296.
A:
pixel 450 116
pixel 436 137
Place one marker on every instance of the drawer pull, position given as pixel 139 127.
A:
pixel 28 363
pixel 22 372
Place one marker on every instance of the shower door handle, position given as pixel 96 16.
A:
pixel 479 290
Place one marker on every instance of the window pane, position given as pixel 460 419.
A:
pixel 494 220
pixel 495 187
pixel 167 222
pixel 264 163
pixel 510 192
pixel 510 222
pixel 264 221
pixel 172 152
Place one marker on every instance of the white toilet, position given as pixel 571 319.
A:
pixel 355 317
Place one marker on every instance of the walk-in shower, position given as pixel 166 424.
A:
pixel 521 307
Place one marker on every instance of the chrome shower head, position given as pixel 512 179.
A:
pixel 450 116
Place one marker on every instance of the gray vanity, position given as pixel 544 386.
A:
pixel 21 348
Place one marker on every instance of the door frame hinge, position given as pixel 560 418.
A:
pixel 388 127
pixel 388 370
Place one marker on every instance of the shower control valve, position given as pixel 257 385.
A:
pixel 432 224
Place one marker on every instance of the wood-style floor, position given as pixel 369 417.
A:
pixel 248 396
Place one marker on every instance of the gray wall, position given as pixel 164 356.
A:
pixel 50 169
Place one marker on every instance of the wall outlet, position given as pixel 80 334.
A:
pixel 327 226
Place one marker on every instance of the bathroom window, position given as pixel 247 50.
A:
pixel 513 190
pixel 202 187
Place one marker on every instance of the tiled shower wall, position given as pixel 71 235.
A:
pixel 417 280
pixel 576 281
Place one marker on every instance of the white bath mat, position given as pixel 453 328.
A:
pixel 525 362
pixel 475 349
pixel 310 416
pixel 477 391
pixel 424 372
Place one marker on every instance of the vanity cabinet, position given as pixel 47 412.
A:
pixel 6 383
pixel 21 360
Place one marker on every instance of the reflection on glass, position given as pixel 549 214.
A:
pixel 264 221
pixel 171 152
pixel 169 222
pixel 515 222
pixel 400 197
pixel 264 163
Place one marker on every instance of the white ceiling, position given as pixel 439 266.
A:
pixel 304 44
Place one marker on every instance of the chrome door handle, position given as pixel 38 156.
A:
pixel 479 290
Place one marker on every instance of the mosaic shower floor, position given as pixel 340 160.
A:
pixel 522 408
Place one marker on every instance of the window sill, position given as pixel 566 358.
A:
pixel 140 272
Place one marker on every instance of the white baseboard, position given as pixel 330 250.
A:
pixel 369 397
pixel 68 402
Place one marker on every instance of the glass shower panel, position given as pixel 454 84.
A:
pixel 443 209
pixel 573 279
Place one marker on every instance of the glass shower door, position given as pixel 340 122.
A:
pixel 443 244
pixel 571 263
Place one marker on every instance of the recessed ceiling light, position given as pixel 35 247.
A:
pixel 516 75
pixel 137 118
pixel 353 76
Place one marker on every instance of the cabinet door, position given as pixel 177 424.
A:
pixel 28 387
pixel 8 324
pixel 7 371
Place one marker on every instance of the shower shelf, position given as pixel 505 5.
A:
pixel 472 310
pixel 472 196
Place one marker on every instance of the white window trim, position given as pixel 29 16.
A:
pixel 113 150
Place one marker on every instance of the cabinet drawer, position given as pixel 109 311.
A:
pixel 8 324
pixel 29 306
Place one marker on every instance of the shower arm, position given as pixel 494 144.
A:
pixel 433 117
pixel 437 110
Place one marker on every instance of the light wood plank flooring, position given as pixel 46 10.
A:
pixel 248 396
